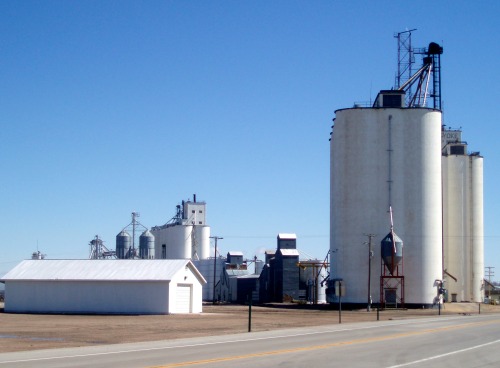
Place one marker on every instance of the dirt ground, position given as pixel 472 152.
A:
pixel 21 332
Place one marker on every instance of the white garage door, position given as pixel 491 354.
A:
pixel 183 299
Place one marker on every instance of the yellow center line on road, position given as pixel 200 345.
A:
pixel 325 346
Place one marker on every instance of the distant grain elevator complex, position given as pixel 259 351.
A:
pixel 396 171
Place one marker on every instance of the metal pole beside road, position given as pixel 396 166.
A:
pixel 215 263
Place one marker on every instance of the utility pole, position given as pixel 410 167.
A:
pixel 370 256
pixel 489 273
pixel 215 261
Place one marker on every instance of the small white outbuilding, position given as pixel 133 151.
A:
pixel 104 287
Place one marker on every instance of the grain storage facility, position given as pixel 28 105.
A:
pixel 383 157
pixel 104 287
pixel 397 176
pixel 184 236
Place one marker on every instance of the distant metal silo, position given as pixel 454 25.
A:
pixel 123 241
pixel 259 265
pixel 146 245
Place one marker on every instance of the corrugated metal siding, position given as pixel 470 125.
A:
pixel 286 276
pixel 116 297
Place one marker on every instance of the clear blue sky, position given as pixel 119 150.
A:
pixel 109 107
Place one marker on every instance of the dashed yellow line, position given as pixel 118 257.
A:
pixel 324 346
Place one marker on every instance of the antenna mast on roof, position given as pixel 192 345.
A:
pixel 405 60
pixel 431 68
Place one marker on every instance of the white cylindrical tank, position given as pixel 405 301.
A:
pixel 259 265
pixel 456 246
pixel 477 236
pixel 455 212
pixel 176 241
pixel 383 157
pixel 180 242
pixel 203 240
pixel 463 245
pixel 321 286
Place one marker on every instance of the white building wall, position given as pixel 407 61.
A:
pixel 108 297
pixel 195 213
pixel 361 171
pixel 186 278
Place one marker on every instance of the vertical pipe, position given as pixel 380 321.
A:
pixel 389 151
pixel 340 302
pixel 369 302
pixel 215 266
pixel 250 312
pixel 215 262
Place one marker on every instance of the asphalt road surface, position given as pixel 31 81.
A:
pixel 445 341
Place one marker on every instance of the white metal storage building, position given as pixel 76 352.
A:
pixel 104 287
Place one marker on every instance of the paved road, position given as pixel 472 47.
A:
pixel 458 341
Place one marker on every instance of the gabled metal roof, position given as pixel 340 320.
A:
pixel 100 270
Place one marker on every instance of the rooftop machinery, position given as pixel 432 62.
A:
pixel 99 251
pixel 431 66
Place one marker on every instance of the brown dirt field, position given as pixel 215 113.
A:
pixel 21 332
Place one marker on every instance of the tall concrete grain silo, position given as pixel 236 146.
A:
pixel 463 244
pixel 387 155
